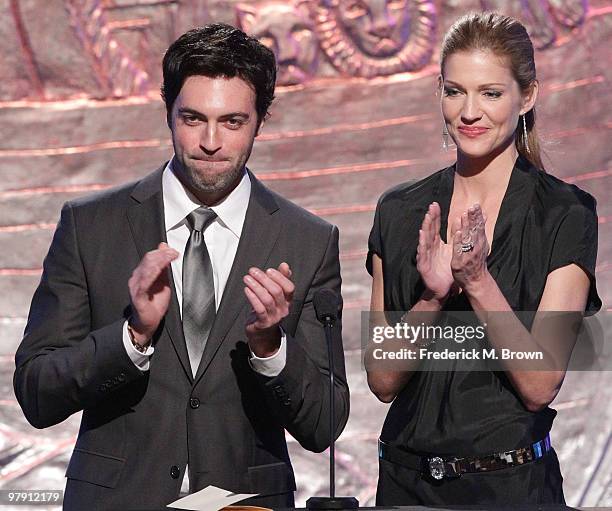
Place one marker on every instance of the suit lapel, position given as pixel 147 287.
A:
pixel 146 219
pixel 259 234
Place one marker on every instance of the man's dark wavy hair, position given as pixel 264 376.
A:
pixel 219 50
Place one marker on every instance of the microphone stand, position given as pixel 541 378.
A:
pixel 331 502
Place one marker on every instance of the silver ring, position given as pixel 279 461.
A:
pixel 467 247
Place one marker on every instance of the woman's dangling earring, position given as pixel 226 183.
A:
pixel 445 136
pixel 525 133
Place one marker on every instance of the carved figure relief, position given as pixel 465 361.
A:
pixel 120 74
pixel 379 27
pixel 111 48
pixel 285 28
pixel 376 37
pixel 543 18
pixel 67 50
pixel 569 13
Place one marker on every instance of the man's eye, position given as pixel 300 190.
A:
pixel 190 119
pixel 234 124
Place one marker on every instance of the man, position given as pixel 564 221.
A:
pixel 177 312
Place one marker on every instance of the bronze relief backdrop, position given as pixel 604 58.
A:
pixel 356 113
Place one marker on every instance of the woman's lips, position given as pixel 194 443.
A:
pixel 472 131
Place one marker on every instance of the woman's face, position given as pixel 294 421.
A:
pixel 482 102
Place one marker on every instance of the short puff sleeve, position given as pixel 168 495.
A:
pixel 576 243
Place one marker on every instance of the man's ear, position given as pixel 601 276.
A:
pixel 261 124
pixel 530 97
pixel 169 115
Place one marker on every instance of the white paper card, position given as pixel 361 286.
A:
pixel 210 498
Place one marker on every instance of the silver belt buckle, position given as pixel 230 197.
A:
pixel 436 466
pixel 439 468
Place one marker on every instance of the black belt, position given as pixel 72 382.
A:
pixel 439 467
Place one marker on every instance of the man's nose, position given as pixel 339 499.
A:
pixel 211 138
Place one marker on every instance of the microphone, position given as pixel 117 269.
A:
pixel 327 304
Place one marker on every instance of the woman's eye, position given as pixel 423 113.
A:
pixel 493 94
pixel 450 92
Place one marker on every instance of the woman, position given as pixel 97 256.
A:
pixel 493 232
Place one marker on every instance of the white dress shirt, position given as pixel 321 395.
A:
pixel 221 237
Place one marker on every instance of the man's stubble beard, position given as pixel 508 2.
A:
pixel 220 183
pixel 225 182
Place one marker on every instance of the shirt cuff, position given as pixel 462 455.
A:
pixel 271 366
pixel 141 360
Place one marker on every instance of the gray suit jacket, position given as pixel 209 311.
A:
pixel 139 430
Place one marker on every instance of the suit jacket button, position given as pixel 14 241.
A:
pixel 121 377
pixel 194 402
pixel 174 472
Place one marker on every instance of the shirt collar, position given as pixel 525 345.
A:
pixel 179 202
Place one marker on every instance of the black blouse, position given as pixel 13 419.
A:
pixel 543 224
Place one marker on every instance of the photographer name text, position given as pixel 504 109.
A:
pixel 446 354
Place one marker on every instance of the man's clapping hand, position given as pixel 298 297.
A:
pixel 270 293
pixel 150 292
